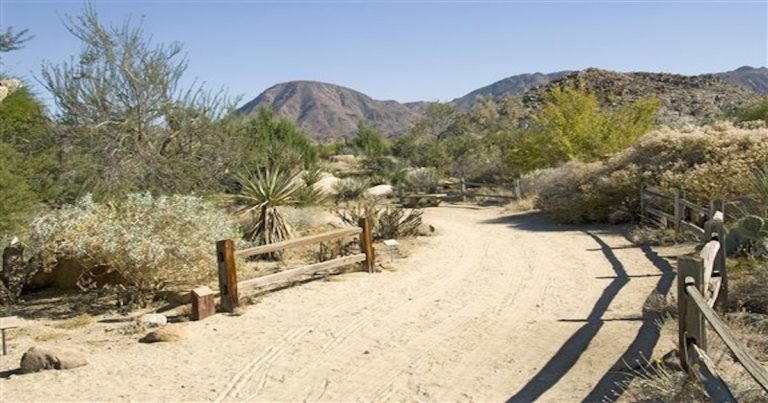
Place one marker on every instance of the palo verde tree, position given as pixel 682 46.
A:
pixel 572 125
pixel 125 121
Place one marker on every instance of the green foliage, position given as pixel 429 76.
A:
pixel 10 40
pixel 349 189
pixel 423 180
pixel 571 125
pixel 151 242
pixel 369 142
pixel 261 195
pixel 754 111
pixel 750 235
pixel 17 197
pixel 308 194
pixel 270 141
pixel 124 123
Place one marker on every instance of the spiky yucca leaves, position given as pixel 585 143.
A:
pixel 308 194
pixel 389 222
pixel 261 195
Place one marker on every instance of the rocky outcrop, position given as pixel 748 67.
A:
pixel 684 99
pixel 7 87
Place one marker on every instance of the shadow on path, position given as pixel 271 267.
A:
pixel 641 348
pixel 569 353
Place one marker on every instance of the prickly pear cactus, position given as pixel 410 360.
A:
pixel 753 228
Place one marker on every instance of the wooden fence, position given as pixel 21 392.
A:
pixel 698 289
pixel 230 288
pixel 685 215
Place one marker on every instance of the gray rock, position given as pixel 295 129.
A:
pixel 39 358
pixel 153 320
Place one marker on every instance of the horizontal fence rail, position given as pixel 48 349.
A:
pixel 230 288
pixel 684 213
pixel 701 282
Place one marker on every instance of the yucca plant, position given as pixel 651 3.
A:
pixel 261 195
pixel 308 194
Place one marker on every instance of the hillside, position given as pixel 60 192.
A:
pixel 755 79
pixel 684 99
pixel 514 85
pixel 327 111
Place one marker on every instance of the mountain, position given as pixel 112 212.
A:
pixel 684 99
pixel 327 111
pixel 514 85
pixel 755 79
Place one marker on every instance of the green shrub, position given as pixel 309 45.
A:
pixel 423 180
pixel 151 242
pixel 349 189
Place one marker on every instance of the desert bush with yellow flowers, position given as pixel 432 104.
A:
pixel 711 162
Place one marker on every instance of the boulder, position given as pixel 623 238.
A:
pixel 163 334
pixel 39 358
pixel 380 191
pixel 152 320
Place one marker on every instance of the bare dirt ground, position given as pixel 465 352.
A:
pixel 492 307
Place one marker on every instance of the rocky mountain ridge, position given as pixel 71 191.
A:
pixel 327 111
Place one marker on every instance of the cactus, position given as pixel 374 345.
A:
pixel 750 234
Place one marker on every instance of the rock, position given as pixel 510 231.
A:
pixel 163 334
pixel 380 191
pixel 40 358
pixel 619 217
pixel 7 87
pixel 153 320
pixel 327 184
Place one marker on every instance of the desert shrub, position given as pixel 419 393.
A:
pixel 349 189
pixel 151 242
pixel 755 111
pixel 709 163
pixel 423 179
pixel 308 194
pixel 388 221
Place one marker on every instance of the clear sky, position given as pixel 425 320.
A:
pixel 412 50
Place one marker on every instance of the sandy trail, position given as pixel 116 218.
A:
pixel 491 308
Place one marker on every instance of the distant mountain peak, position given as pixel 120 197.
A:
pixel 328 111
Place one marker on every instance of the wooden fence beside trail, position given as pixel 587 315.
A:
pixel 465 190
pixel 699 287
pixel 230 288
pixel 685 215
pixel 702 284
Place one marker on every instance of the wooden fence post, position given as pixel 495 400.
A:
pixel 691 321
pixel 366 243
pixel 463 190
pixel 518 190
pixel 225 255
pixel 643 217
pixel 715 229
pixel 678 211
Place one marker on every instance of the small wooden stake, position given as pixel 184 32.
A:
pixel 366 243
pixel 225 253
pixel 203 303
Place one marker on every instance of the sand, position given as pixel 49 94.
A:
pixel 491 307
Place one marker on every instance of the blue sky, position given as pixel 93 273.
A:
pixel 412 50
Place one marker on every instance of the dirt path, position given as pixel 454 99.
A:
pixel 491 308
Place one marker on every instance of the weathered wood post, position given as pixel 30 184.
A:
pixel 463 190
pixel 225 254
pixel 715 229
pixel 678 210
pixel 690 271
pixel 203 303
pixel 518 190
pixel 366 243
